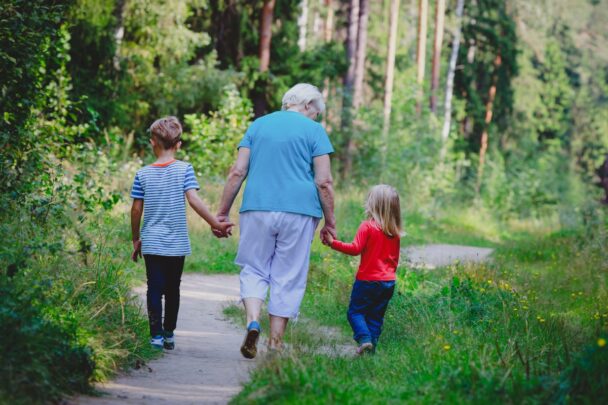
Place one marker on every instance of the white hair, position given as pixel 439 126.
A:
pixel 303 94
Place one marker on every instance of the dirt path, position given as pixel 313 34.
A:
pixel 431 256
pixel 206 366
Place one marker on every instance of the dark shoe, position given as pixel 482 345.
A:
pixel 169 343
pixel 249 348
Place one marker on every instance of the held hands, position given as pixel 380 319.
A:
pixel 224 227
pixel 136 250
pixel 328 234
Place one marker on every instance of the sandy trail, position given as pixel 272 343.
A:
pixel 432 256
pixel 206 366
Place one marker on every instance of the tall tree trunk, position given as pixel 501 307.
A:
pixel 266 34
pixel 436 67
pixel 449 85
pixel 351 55
pixel 361 53
pixel 390 76
pixel 390 64
pixel 349 81
pixel 329 21
pixel 119 31
pixel 327 36
pixel 260 104
pixel 303 24
pixel 423 7
pixel 488 119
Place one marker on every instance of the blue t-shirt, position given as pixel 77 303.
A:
pixel 162 187
pixel 281 176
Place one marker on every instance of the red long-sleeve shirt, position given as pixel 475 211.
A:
pixel 379 253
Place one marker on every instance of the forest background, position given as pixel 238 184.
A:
pixel 489 116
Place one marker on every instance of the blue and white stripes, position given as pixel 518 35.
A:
pixel 162 187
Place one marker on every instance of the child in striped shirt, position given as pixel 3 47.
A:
pixel 158 192
pixel 377 241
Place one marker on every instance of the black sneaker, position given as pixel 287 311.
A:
pixel 169 342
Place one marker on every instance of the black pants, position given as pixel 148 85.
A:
pixel 164 276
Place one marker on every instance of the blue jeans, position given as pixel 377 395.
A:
pixel 368 303
pixel 164 275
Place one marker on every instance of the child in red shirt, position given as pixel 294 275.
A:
pixel 377 241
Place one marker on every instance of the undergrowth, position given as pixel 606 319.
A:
pixel 530 327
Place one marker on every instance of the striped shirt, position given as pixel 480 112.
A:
pixel 162 187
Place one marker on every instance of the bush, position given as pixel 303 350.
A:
pixel 42 354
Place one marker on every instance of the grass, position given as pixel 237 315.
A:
pixel 528 328
pixel 68 312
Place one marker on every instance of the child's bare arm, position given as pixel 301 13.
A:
pixel 137 210
pixel 201 209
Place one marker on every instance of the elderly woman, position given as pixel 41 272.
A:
pixel 285 158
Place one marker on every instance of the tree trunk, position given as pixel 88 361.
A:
pixel 351 55
pixel 303 24
pixel 361 53
pixel 266 34
pixel 329 21
pixel 436 67
pixel 449 85
pixel 259 103
pixel 327 36
pixel 349 81
pixel 390 65
pixel 488 119
pixel 119 31
pixel 421 46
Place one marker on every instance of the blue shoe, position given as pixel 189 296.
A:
pixel 157 341
pixel 249 348
pixel 169 342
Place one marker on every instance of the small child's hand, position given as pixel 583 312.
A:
pixel 136 250
pixel 327 239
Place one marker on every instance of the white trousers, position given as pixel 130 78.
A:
pixel 274 251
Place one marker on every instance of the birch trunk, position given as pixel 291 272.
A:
pixel 361 53
pixel 303 25
pixel 449 85
pixel 390 65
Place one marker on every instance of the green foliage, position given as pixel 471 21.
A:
pixel 489 33
pixel 212 139
pixel 32 48
pixel 43 357
pixel 552 119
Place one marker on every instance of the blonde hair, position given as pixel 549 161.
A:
pixel 167 131
pixel 303 94
pixel 383 207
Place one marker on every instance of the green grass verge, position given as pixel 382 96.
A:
pixel 68 313
pixel 531 327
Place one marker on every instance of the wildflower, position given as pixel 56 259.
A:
pixel 601 342
pixel 448 347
